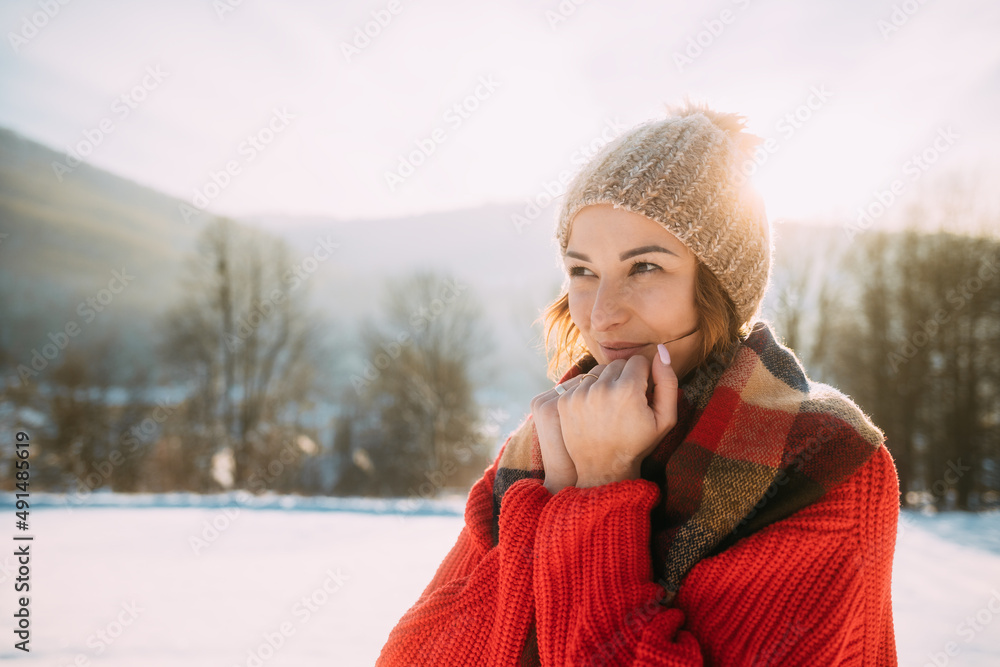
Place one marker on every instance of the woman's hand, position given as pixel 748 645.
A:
pixel 559 469
pixel 607 425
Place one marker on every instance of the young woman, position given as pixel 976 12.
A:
pixel 684 495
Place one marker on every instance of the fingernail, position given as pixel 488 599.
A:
pixel 664 355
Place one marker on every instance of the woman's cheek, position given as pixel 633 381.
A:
pixel 580 305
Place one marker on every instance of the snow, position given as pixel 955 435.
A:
pixel 181 579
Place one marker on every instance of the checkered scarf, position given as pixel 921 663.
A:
pixel 755 441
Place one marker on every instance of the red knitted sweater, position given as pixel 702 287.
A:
pixel 811 589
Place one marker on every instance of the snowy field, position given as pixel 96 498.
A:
pixel 144 581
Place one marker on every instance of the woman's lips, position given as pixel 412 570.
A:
pixel 621 353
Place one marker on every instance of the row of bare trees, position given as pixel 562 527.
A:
pixel 240 380
pixel 925 355
pixel 908 323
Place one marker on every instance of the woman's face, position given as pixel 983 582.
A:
pixel 631 286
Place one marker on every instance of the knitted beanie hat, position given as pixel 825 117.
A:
pixel 685 173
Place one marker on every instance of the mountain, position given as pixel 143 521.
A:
pixel 65 239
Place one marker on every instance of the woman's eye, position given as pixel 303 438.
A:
pixel 644 267
pixel 579 271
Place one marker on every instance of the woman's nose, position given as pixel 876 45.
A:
pixel 610 306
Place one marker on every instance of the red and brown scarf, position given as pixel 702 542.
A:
pixel 755 441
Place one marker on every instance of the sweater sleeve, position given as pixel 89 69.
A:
pixel 478 606
pixel 811 589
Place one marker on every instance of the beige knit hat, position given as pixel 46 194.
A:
pixel 685 172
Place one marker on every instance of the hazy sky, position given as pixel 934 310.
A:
pixel 872 84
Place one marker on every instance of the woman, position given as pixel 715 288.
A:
pixel 684 495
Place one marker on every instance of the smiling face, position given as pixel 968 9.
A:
pixel 631 286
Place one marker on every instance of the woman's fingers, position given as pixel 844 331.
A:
pixel 614 419
pixel 665 388
pixel 576 381
pixel 570 384
pixel 560 471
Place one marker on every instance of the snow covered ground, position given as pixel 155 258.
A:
pixel 144 581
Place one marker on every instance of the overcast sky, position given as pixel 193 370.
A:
pixel 332 115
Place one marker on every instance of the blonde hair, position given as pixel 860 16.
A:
pixel 717 321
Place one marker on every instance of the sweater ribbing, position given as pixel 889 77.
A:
pixel 811 589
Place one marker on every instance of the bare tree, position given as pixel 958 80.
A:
pixel 242 337
pixel 411 419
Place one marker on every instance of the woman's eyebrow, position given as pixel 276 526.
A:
pixel 628 253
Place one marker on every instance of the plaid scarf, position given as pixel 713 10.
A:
pixel 755 441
